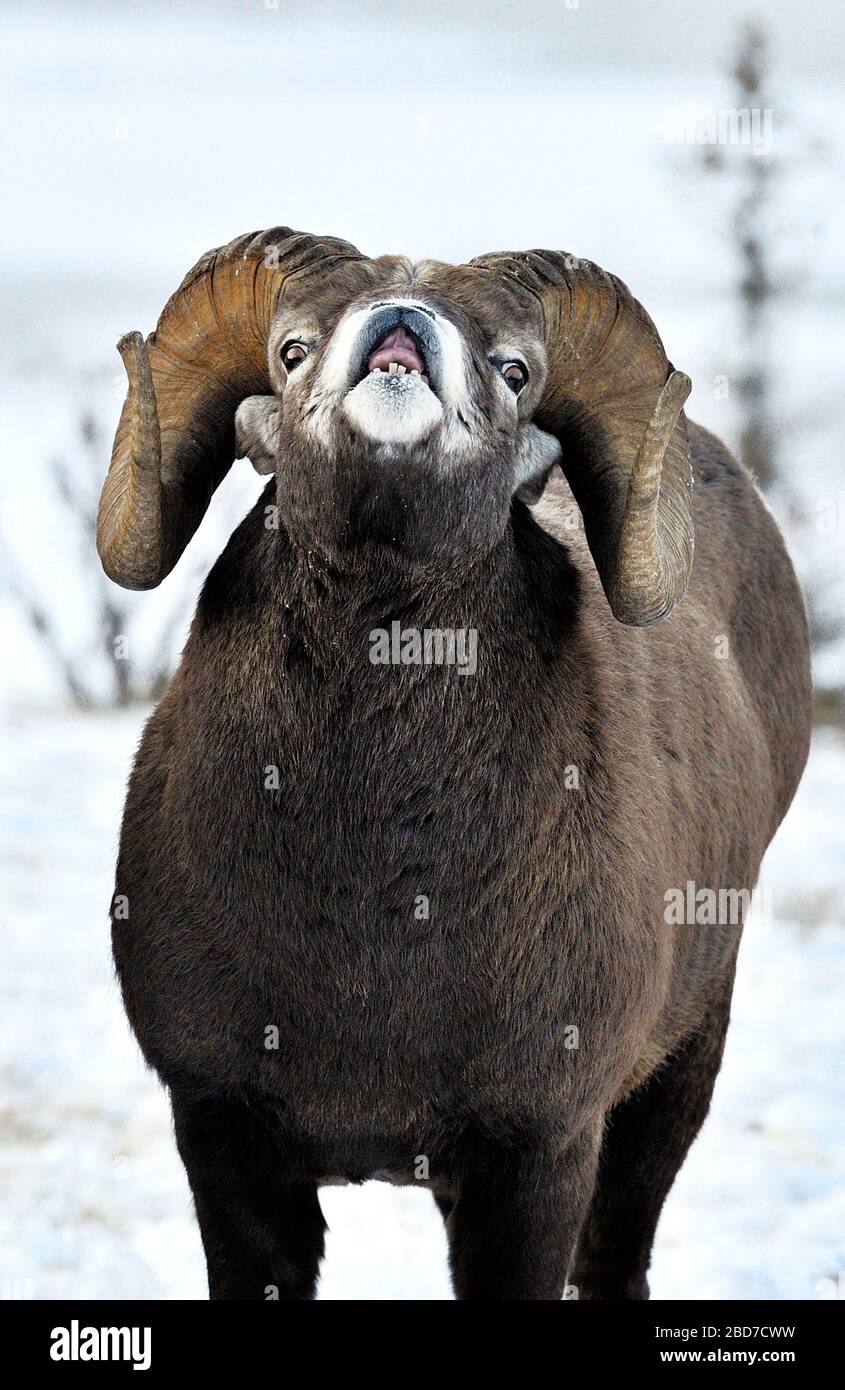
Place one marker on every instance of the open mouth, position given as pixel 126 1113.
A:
pixel 395 375
pixel 398 342
pixel 398 352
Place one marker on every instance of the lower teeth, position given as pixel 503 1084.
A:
pixel 396 369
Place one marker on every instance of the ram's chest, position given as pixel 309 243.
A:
pixel 374 826
pixel 386 869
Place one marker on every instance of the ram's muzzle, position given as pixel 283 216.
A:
pixel 397 364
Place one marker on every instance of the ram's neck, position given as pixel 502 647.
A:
pixel 384 635
pixel 378 606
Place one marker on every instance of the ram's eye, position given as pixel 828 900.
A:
pixel 292 354
pixel 515 375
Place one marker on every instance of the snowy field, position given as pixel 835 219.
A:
pixel 93 1198
pixel 134 139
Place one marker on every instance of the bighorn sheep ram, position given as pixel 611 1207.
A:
pixel 381 914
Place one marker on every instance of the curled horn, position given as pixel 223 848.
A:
pixel 176 440
pixel 616 405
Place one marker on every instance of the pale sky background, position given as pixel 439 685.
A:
pixel 134 137
pixel 137 135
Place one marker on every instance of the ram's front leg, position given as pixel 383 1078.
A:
pixel 262 1228
pixel 514 1224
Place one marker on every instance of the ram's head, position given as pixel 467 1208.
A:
pixel 406 406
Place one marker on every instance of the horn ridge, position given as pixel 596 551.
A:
pixel 176 440
pixel 616 404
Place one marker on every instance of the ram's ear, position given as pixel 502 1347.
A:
pixel 537 454
pixel 257 432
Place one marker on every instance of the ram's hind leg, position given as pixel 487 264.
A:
pixel 646 1141
pixel 262 1230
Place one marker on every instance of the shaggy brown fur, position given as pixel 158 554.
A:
pixel 292 902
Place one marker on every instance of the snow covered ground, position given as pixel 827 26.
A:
pixel 93 1199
